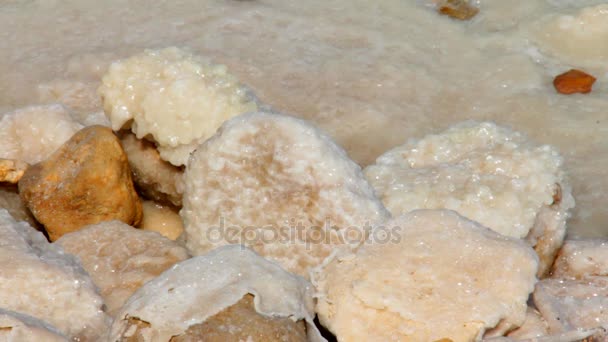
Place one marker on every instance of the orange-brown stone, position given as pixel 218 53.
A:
pixel 86 181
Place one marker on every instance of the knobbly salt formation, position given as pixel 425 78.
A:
pixel 155 178
pixel 573 81
pixel 120 258
pixel 174 97
pixel 40 280
pixel 211 295
pixel 32 134
pixel 440 276
pixel 86 181
pixel 485 172
pixel 279 185
pixel 16 327
pixel 161 219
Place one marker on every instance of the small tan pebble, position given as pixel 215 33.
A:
pixel 240 322
pixel 573 81
pixel 120 258
pixel 86 181
pixel 155 178
pixel 161 219
pixel 11 170
pixel 457 9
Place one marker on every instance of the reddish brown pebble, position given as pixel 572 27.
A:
pixel 86 181
pixel 457 9
pixel 573 81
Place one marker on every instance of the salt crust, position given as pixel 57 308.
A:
pixel 487 173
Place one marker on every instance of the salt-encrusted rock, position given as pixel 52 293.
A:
pixel 120 258
pixel 488 173
pixel 40 280
pixel 174 97
pixel 16 327
pixel 574 305
pixel 32 134
pixel 161 219
pixel 215 288
pixel 582 258
pixel 279 185
pixel 155 178
pixel 426 276
pixel 86 181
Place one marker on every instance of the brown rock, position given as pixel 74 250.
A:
pixel 573 81
pixel 86 181
pixel 155 178
pixel 239 322
pixel 457 9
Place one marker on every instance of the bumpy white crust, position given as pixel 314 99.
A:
pixel 276 183
pixel 16 327
pixel 200 287
pixel 31 134
pixel 40 280
pixel 173 96
pixel 437 275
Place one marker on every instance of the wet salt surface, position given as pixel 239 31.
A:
pixel 372 74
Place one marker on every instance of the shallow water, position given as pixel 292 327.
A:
pixel 371 73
